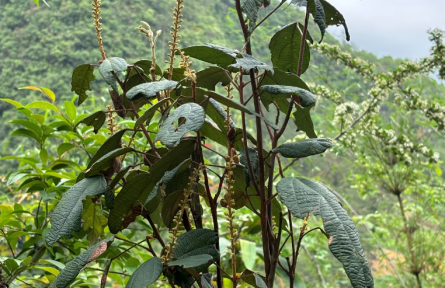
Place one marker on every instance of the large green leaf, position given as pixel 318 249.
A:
pixel 35 128
pixel 192 114
pixel 253 279
pixel 248 62
pixel 171 207
pixel 74 267
pixel 149 113
pixel 197 242
pixel 280 78
pixel 317 11
pixel 306 97
pixel 304 148
pixel 225 57
pixel 192 261
pixel 168 176
pixel 119 177
pixel 207 280
pixel 112 143
pixel 137 189
pixel 123 202
pixel 21 132
pixel 211 53
pixel 146 274
pixel 66 217
pixel 285 48
pixel 303 120
pixel 136 80
pixel 303 196
pixel 97 120
pixel 253 157
pixel 106 69
pixel 118 64
pixel 105 161
pixel 250 8
pixel 80 81
pixel 144 67
pixel 333 17
pixel 149 90
pixel 177 74
pixel 248 253
pixel 210 76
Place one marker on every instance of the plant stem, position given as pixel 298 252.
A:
pixel 259 136
pixel 414 269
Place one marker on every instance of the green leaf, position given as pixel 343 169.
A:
pixel 106 161
pixel 149 113
pixel 144 67
pixel 280 78
pixel 43 155
pixel 139 187
pixel 42 105
pixel 192 114
pixel 26 133
pixel 112 143
pixel 248 253
pixel 248 62
pixel 118 177
pixel 97 120
pixel 306 97
pixel 253 156
pixel 317 11
pixel 177 75
pixel 12 102
pixel 92 219
pixel 80 81
pixel 118 64
pixel 146 274
pixel 109 197
pixel 211 53
pixel 106 69
pixel 215 100
pixel 332 16
pixel 30 125
pixel 253 279
pixel 194 243
pixel 70 109
pixel 136 80
pixel 225 57
pixel 15 176
pixel 303 120
pixel 250 8
pixel 74 267
pixel 192 261
pixel 304 148
pixel 211 131
pixel 171 207
pixel 66 217
pixel 285 48
pixel 303 196
pixel 149 90
pixel 168 176
pixel 64 147
pixel 206 280
pixel 210 77
pixel 132 190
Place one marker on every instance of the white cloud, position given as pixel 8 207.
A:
pixel 391 27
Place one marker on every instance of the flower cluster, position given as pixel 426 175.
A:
pixel 414 101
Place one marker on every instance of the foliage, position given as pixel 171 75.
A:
pixel 176 185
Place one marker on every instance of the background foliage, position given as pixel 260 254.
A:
pixel 52 41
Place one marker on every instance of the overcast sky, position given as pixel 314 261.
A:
pixel 391 27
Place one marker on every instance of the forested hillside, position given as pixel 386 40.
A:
pixel 386 117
